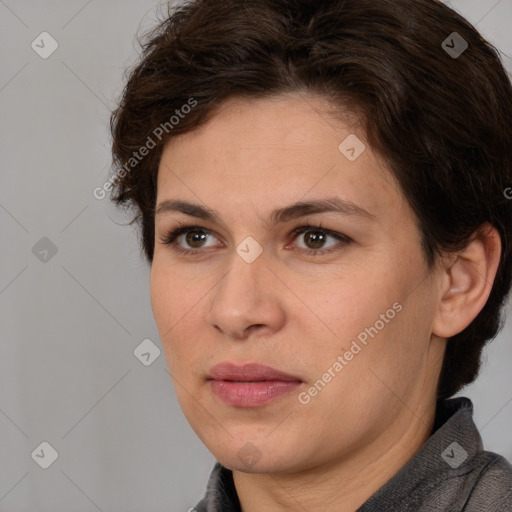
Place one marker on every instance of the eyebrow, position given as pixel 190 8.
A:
pixel 280 215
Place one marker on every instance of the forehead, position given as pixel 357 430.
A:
pixel 273 151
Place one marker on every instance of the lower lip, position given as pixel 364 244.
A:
pixel 251 394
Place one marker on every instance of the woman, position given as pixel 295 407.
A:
pixel 321 188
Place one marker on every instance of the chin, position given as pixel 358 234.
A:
pixel 256 456
pixel 248 465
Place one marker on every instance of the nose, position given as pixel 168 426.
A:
pixel 247 300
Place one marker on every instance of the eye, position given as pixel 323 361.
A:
pixel 316 237
pixel 195 236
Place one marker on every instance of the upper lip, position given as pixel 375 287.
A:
pixel 250 372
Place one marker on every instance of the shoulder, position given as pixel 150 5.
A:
pixel 490 484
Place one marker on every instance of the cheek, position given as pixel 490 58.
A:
pixel 375 320
pixel 172 295
pixel 356 303
pixel 173 311
pixel 161 300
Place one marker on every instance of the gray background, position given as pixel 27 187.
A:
pixel 70 324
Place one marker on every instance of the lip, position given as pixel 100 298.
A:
pixel 250 385
pixel 250 372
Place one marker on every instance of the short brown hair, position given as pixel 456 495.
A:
pixel 442 121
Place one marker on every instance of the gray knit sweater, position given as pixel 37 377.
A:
pixel 450 473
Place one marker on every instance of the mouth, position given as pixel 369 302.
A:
pixel 252 372
pixel 250 385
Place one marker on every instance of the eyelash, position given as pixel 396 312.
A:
pixel 169 239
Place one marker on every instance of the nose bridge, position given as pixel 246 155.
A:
pixel 242 298
pixel 242 281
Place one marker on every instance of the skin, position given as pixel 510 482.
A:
pixel 297 312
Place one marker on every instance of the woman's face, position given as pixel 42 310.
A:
pixel 346 310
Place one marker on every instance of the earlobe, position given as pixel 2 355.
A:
pixel 466 282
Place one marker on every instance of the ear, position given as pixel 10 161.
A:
pixel 466 282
